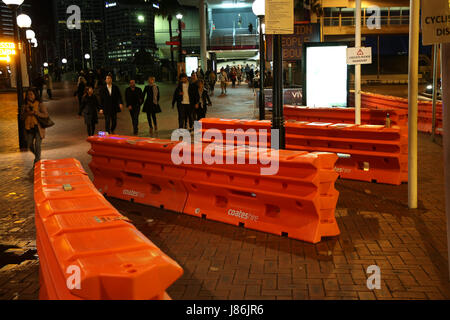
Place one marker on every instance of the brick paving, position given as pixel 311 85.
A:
pixel 226 262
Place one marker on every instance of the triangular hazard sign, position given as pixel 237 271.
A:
pixel 360 52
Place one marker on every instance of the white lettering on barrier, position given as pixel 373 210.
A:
pixel 133 193
pixel 242 214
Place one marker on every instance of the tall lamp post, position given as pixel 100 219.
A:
pixel 14 5
pixel 87 56
pixel 259 9
pixel 30 36
pixel 179 18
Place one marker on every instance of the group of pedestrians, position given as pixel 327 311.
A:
pixel 110 103
pixel 192 101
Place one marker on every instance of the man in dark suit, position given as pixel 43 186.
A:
pixel 185 96
pixel 134 99
pixel 111 103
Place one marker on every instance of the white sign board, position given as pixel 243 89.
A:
pixel 191 65
pixel 435 22
pixel 279 18
pixel 326 76
pixel 361 55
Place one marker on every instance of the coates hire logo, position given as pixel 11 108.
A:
pixel 133 193
pixel 243 215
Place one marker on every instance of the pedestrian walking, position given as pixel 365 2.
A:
pixel 34 132
pixel 81 87
pixel 203 101
pixel 212 81
pixel 233 76
pixel 111 103
pixel 223 78
pixel 89 109
pixel 134 99
pixel 49 84
pixel 151 105
pixel 185 98
pixel 39 84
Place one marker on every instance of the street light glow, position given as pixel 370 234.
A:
pixel 179 16
pixel 34 42
pixel 30 34
pixel 23 21
pixel 259 8
pixel 13 2
pixel 45 65
pixel 64 61
pixel 141 18
pixel 87 56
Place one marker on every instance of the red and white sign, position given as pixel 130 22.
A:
pixel 361 55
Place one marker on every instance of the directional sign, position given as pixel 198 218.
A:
pixel 173 43
pixel 359 55
pixel 435 22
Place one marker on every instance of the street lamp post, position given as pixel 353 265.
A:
pixel 14 5
pixel 64 63
pixel 29 35
pixel 87 56
pixel 259 10
pixel 180 17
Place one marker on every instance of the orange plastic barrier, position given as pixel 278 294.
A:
pixel 121 172
pixel 346 115
pixel 368 152
pixel 425 114
pixel 298 201
pixel 87 250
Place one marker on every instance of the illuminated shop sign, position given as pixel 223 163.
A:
pixel 7 49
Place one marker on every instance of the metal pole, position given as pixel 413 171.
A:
pixel 90 45
pixel 445 58
pixel 203 47
pixel 358 66
pixel 169 18
pixel 378 57
pixel 435 90
pixel 262 67
pixel 19 84
pixel 82 47
pixel 180 58
pixel 278 118
pixel 413 97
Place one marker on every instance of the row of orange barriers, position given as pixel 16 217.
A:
pixel 397 117
pixel 298 200
pixel 425 108
pixel 370 153
pixel 87 250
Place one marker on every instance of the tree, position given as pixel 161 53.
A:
pixel 167 9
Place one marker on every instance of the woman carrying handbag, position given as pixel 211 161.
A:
pixel 36 120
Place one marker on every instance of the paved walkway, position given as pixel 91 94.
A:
pixel 225 262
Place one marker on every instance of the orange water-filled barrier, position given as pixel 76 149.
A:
pixel 87 250
pixel 298 200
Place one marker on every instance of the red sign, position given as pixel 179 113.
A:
pixel 173 43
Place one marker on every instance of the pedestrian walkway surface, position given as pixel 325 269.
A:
pixel 226 262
